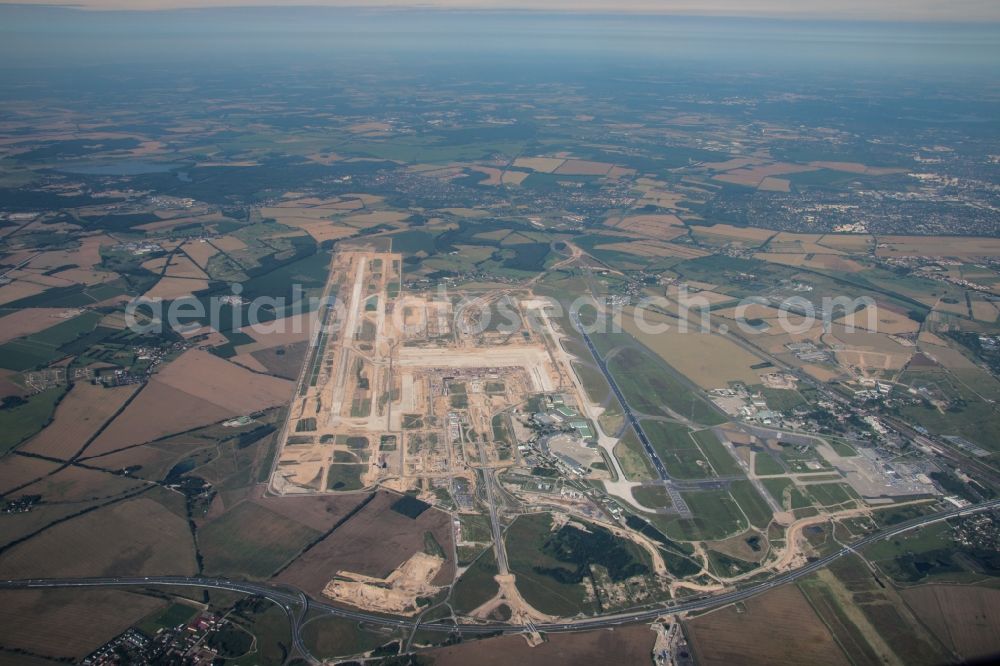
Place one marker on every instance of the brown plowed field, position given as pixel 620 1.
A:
pixel 373 542
pixel 134 538
pixel 779 627
pixel 80 414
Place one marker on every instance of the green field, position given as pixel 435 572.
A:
pixel 476 586
pixel 677 450
pixel 649 385
pixel 632 458
pixel 831 494
pixel 764 464
pixel 173 615
pixel 43 347
pixel 753 505
pixel 19 423
pixel 716 516
pixel 777 486
pixel 345 477
pixel 327 637
pixel 654 497
pixel 525 541
pixel 475 528
pixel 721 460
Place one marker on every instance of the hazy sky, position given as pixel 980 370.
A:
pixel 892 10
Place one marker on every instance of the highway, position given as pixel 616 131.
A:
pixel 489 479
pixel 678 500
pixel 292 600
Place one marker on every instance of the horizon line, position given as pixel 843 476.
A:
pixel 929 16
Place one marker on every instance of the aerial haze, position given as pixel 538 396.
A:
pixel 496 332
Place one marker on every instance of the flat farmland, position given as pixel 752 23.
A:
pixel 541 164
pixel 225 384
pixel 79 484
pixel 751 176
pixel 655 249
pixel 18 470
pixel 880 319
pixel 159 410
pixel 19 525
pixel 138 537
pixel 777 627
pixel 624 645
pixel 710 361
pixel 966 619
pixel 937 246
pixel 80 414
pixel 583 168
pixel 181 266
pixel 31 320
pixel 372 542
pixel 251 540
pixel 200 252
pixel 318 512
pixel 68 624
pixel 170 288
pixel 725 234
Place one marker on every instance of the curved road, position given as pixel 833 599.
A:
pixel 290 599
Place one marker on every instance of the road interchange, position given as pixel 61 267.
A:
pixel 292 600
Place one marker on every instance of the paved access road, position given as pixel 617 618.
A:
pixel 292 600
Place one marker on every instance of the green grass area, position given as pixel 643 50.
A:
pixel 653 497
pixel 413 241
pixel 252 541
pixel 19 423
pixel 932 553
pixel 593 382
pixel 781 400
pixel 721 460
pixel 753 505
pixel 345 477
pixel 649 384
pixel 798 458
pixel 475 528
pixel 44 347
pixel 831 494
pixel 716 516
pixel 632 458
pixel 269 625
pixel 843 448
pixel 526 540
pixel 677 450
pixel 826 604
pixel 968 416
pixel 477 585
pixel 501 433
pixel 173 615
pixel 724 565
pixel 327 637
pixel 432 547
pixel 776 487
pixel 765 464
